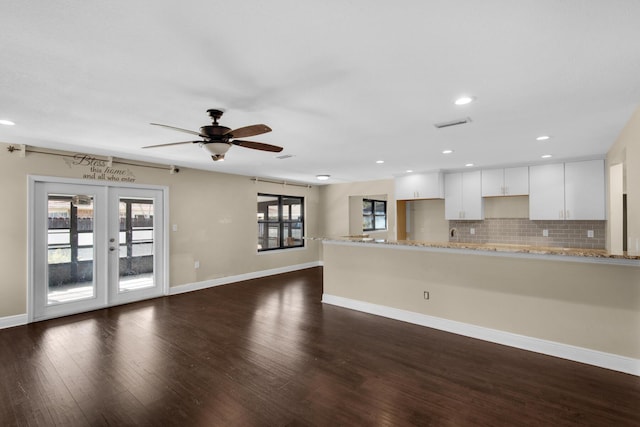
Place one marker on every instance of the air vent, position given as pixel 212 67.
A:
pixel 453 123
pixel 284 156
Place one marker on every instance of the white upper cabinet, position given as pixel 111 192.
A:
pixel 505 182
pixel 584 190
pixel 420 186
pixel 546 192
pixel 472 203
pixel 452 195
pixel 570 191
pixel 492 182
pixel 516 181
pixel 463 196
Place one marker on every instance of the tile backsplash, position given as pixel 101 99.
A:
pixel 522 231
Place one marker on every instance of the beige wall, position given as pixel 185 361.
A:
pixel 215 214
pixel 335 217
pixel 426 221
pixel 626 151
pixel 594 306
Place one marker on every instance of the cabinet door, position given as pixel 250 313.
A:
pixel 546 192
pixel 516 181
pixel 431 186
pixel 584 190
pixel 463 196
pixel 406 187
pixel 453 196
pixel 492 182
pixel 472 203
pixel 419 186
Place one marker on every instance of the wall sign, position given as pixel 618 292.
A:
pixel 94 168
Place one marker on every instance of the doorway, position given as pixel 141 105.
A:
pixel 94 246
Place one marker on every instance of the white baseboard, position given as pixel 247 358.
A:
pixel 11 321
pixel 551 348
pixel 180 289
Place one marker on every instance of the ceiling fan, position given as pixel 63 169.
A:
pixel 218 139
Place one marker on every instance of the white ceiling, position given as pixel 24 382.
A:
pixel 341 83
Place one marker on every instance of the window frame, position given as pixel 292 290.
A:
pixel 373 215
pixel 282 224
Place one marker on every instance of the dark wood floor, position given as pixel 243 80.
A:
pixel 266 352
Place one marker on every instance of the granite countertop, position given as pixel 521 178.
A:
pixel 490 247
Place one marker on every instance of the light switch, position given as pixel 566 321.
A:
pixel 589 233
pixel 174 227
pixel 545 233
pixel 472 230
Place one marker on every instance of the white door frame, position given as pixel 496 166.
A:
pixel 31 218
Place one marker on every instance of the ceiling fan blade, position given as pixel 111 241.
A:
pixel 258 146
pixel 192 132
pixel 174 143
pixel 246 131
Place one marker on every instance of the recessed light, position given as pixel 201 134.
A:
pixel 546 156
pixel 464 100
pixel 543 138
pixel 379 162
pixel 6 122
pixel 447 151
pixel 322 177
pixel 468 165
pixel 409 171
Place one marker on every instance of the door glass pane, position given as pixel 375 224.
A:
pixel 136 244
pixel 70 250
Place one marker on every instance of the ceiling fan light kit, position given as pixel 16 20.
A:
pixel 217 139
pixel 216 148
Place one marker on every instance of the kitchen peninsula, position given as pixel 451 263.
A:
pixel 582 305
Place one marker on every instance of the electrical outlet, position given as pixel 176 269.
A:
pixel 545 233
pixel 196 264
pixel 426 294
pixel 472 230
pixel 589 233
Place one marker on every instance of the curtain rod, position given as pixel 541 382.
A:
pixel 24 150
pixel 294 184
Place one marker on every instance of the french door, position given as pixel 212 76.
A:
pixel 94 246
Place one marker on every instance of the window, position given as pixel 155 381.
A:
pixel 280 222
pixel 70 232
pixel 136 236
pixel 374 215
